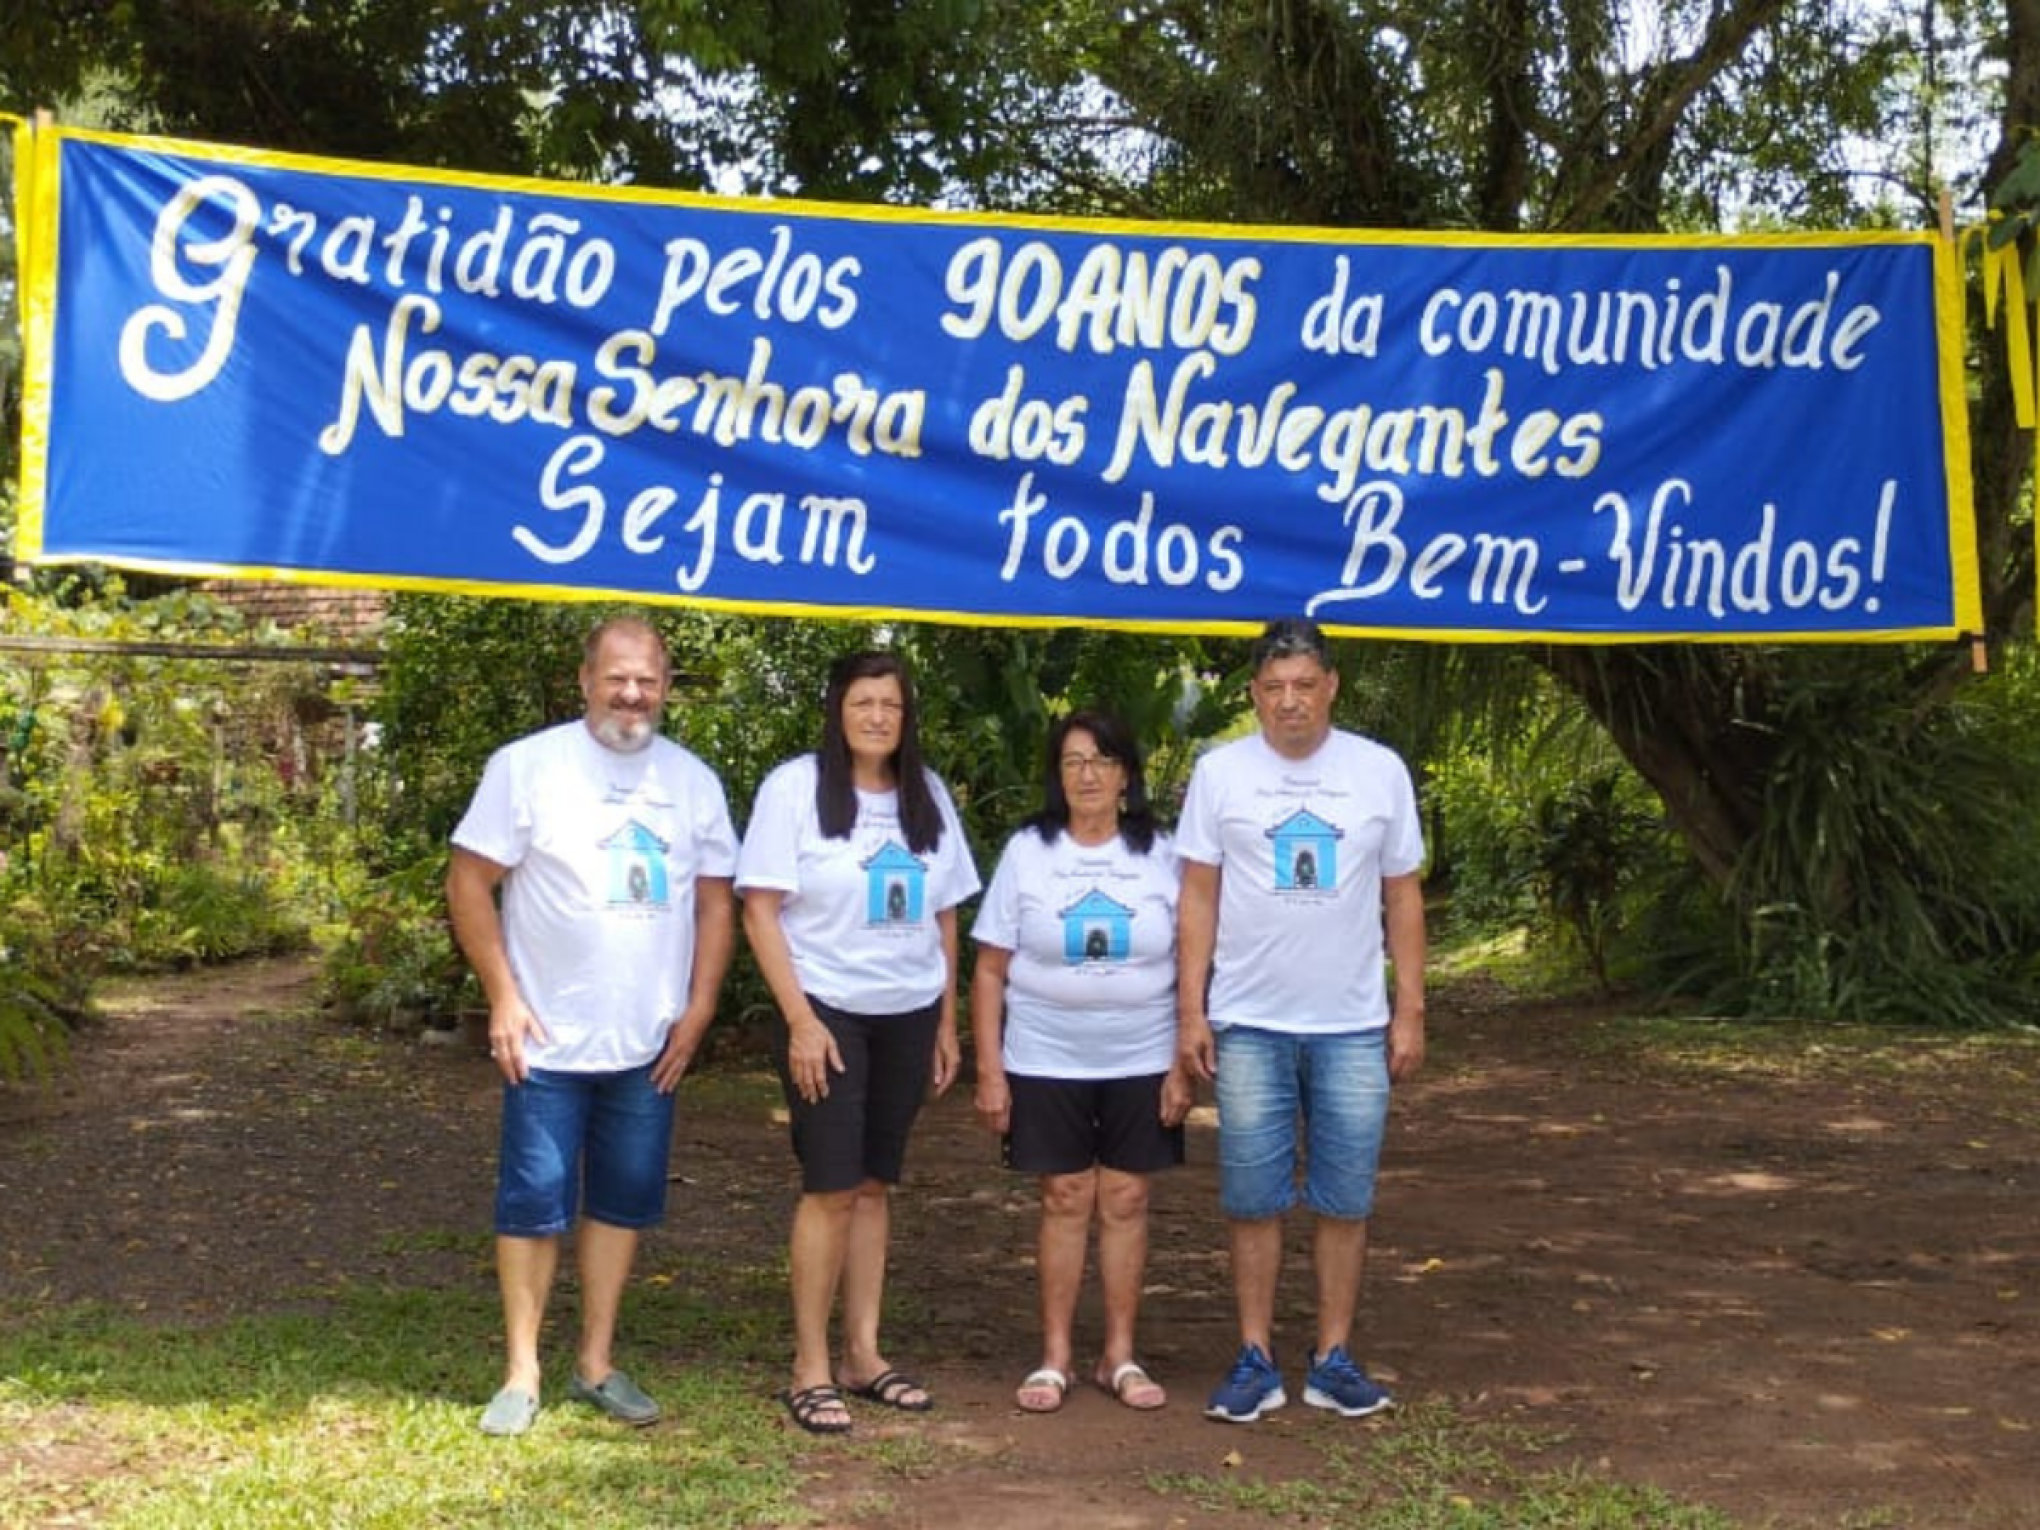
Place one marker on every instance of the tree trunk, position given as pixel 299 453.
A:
pixel 1681 718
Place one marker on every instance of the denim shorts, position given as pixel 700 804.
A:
pixel 603 1137
pixel 1337 1085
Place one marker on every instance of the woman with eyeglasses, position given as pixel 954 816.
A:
pixel 1073 1011
pixel 851 872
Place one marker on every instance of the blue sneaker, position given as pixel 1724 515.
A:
pixel 1254 1387
pixel 1335 1382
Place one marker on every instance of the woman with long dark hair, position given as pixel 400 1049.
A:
pixel 851 872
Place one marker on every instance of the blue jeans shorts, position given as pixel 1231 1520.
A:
pixel 1337 1086
pixel 603 1137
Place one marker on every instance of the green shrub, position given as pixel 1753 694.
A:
pixel 393 959
pixel 1892 878
pixel 155 809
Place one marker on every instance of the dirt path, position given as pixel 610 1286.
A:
pixel 1804 1294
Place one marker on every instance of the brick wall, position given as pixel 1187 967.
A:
pixel 342 615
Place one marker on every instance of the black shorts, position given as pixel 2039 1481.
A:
pixel 1068 1125
pixel 858 1130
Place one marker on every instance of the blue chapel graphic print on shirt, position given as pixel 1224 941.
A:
pixel 637 865
pixel 894 882
pixel 1306 853
pixel 1096 929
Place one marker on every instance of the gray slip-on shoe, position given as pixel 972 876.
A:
pixel 618 1397
pixel 510 1412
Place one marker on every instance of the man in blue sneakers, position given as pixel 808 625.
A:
pixel 1301 854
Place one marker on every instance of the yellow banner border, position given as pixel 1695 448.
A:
pixel 37 233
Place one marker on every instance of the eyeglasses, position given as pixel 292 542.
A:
pixel 1087 764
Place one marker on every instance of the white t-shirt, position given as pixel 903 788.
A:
pixel 1091 989
pixel 860 912
pixel 598 907
pixel 1302 847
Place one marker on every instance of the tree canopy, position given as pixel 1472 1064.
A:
pixel 1847 789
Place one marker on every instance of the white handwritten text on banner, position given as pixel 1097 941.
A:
pixel 318 369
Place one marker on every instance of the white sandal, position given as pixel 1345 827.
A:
pixel 1043 1390
pixel 1130 1382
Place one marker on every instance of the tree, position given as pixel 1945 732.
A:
pixel 1505 115
pixel 1564 116
pixel 1810 786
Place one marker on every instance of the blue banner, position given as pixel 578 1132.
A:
pixel 295 368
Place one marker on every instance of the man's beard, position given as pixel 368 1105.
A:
pixel 624 733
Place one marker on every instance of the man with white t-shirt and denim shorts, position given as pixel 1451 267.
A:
pixel 612 852
pixel 1301 853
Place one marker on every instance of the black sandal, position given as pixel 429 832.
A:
pixel 890 1389
pixel 809 1404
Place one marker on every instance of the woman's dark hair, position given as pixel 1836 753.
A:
pixel 1115 741
pixel 836 792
